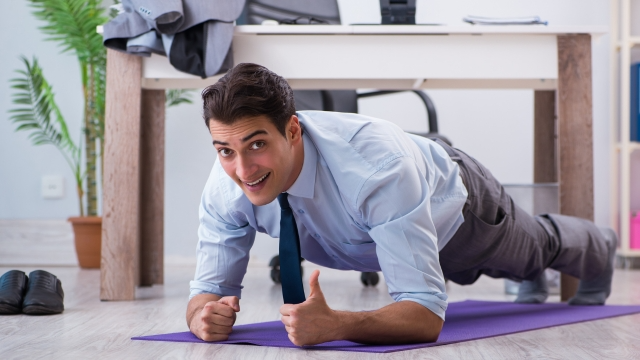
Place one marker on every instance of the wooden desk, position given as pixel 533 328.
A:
pixel 554 61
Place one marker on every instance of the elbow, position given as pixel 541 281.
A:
pixel 431 332
pixel 422 325
pixel 430 324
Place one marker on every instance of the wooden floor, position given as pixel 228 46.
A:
pixel 92 329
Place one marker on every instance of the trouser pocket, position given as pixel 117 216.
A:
pixel 475 243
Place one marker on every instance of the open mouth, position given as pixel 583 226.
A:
pixel 261 179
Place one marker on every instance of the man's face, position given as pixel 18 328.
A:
pixel 256 155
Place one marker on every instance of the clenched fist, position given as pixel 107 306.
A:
pixel 215 320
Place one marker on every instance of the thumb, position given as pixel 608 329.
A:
pixel 231 301
pixel 314 285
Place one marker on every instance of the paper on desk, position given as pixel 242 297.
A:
pixel 528 20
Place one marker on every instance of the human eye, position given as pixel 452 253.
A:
pixel 257 145
pixel 224 152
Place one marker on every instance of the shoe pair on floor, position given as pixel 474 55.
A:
pixel 38 294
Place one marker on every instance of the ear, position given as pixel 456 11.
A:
pixel 295 130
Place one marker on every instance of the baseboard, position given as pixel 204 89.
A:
pixel 29 243
pixel 36 243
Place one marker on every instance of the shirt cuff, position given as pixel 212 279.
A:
pixel 200 287
pixel 437 303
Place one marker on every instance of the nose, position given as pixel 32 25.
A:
pixel 245 168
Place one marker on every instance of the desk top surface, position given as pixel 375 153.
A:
pixel 504 57
pixel 416 29
pixel 412 29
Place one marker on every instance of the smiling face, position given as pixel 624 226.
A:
pixel 257 157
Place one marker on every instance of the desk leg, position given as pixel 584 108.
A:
pixel 121 179
pixel 152 187
pixel 575 134
pixel 545 164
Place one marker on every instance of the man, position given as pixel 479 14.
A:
pixel 357 193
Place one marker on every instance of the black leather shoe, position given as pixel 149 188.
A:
pixel 13 285
pixel 44 294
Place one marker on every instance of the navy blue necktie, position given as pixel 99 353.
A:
pixel 290 276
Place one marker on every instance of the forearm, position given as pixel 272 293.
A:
pixel 197 303
pixel 401 322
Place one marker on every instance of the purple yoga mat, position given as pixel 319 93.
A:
pixel 467 320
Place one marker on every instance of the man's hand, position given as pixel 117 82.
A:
pixel 212 320
pixel 311 322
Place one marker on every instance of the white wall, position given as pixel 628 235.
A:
pixel 493 125
pixel 21 164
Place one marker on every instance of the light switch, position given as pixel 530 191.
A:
pixel 52 187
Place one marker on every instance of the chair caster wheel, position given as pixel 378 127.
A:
pixel 275 269
pixel 369 278
pixel 275 275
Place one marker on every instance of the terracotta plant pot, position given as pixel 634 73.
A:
pixel 87 232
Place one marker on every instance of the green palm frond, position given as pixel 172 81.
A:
pixel 178 96
pixel 73 23
pixel 38 113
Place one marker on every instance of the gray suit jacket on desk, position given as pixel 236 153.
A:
pixel 195 35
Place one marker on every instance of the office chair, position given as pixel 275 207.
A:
pixel 303 12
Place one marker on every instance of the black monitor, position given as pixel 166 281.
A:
pixel 398 12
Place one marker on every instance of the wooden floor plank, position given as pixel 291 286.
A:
pixel 90 328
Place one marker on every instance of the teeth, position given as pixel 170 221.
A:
pixel 257 181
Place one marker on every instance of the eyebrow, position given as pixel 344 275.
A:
pixel 257 132
pixel 244 139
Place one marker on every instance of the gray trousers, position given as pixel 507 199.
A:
pixel 501 240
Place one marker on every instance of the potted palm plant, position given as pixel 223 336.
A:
pixel 72 23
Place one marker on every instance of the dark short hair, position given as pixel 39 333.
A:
pixel 249 90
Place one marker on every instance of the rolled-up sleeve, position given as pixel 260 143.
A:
pixel 223 248
pixel 395 205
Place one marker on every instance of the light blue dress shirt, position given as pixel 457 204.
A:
pixel 369 198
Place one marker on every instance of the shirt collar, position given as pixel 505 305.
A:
pixel 306 181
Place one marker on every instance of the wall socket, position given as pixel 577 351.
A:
pixel 52 187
